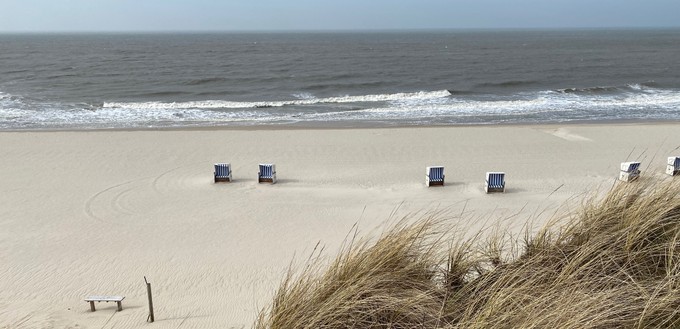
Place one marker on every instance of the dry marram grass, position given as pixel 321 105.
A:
pixel 613 264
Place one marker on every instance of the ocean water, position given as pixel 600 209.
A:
pixel 93 81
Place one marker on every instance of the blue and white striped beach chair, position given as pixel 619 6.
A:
pixel 434 175
pixel 495 182
pixel 267 173
pixel 630 171
pixel 222 172
pixel 673 166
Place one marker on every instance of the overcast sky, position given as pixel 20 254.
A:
pixel 276 15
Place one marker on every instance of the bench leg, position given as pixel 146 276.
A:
pixel 120 306
pixel 92 306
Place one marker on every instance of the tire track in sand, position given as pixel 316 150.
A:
pixel 88 204
pixel 114 203
pixel 181 179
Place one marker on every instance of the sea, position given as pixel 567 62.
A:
pixel 337 79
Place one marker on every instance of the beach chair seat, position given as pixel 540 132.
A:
pixel 495 182
pixel 434 175
pixel 673 166
pixel 630 171
pixel 222 172
pixel 267 173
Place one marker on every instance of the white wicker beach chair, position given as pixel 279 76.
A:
pixel 630 171
pixel 673 166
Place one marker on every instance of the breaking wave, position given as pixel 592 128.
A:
pixel 222 104
pixel 635 87
pixel 633 102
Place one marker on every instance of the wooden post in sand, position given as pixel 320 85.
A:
pixel 148 292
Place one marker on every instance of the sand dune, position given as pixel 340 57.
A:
pixel 94 212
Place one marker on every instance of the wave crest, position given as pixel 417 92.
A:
pixel 645 86
pixel 221 104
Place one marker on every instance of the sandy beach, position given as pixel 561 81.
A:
pixel 93 212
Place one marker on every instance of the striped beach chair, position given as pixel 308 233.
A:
pixel 673 166
pixel 434 175
pixel 495 182
pixel 267 173
pixel 222 172
pixel 630 171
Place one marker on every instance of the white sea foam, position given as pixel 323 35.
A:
pixel 221 104
pixel 549 105
pixel 304 96
pixel 417 108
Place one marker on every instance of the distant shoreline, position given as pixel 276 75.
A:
pixel 350 126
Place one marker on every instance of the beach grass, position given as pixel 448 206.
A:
pixel 612 263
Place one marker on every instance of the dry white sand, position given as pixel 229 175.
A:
pixel 85 213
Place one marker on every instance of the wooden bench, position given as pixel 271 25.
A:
pixel 117 299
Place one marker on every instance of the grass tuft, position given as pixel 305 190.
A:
pixel 615 263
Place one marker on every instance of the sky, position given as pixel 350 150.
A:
pixel 304 15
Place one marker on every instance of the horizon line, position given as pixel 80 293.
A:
pixel 376 30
